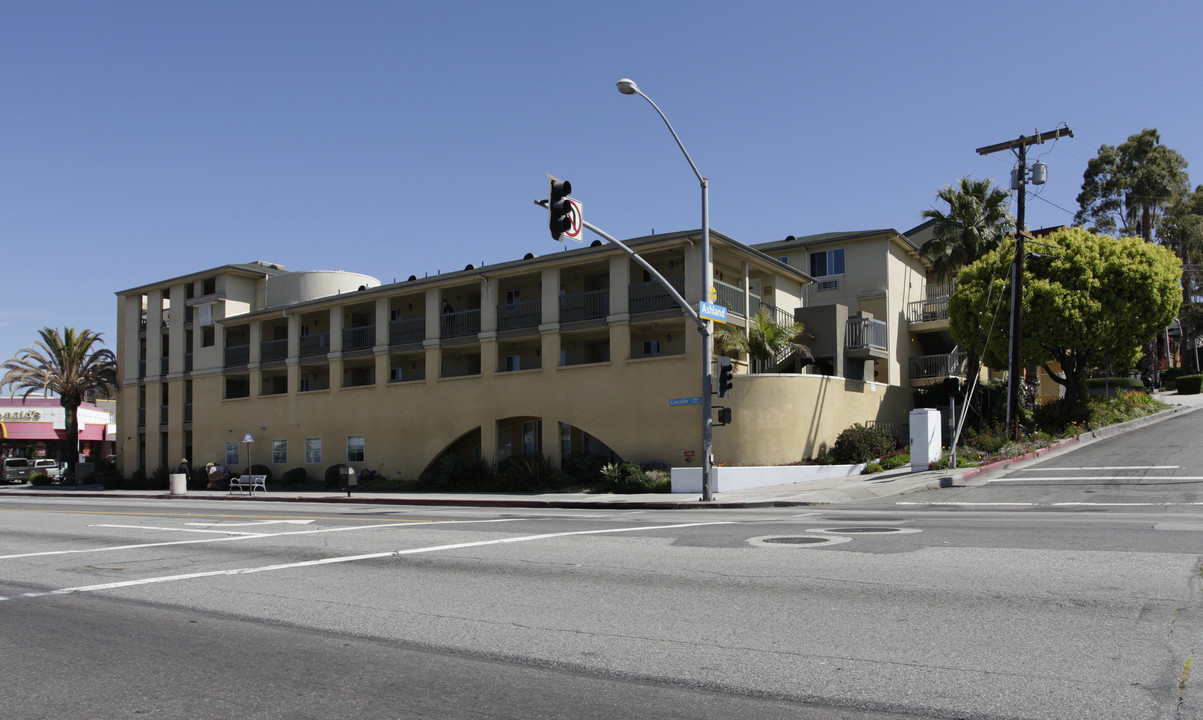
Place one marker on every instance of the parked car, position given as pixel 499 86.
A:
pixel 50 468
pixel 15 470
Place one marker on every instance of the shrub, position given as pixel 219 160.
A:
pixel 260 470
pixel 40 479
pixel 896 460
pixel 294 476
pixel 1189 384
pixel 872 468
pixel 527 473
pixel 861 443
pixel 1113 385
pixel 1169 376
pixel 333 477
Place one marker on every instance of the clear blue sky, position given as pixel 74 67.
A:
pixel 145 140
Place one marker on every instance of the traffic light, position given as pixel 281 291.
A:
pixel 559 208
pixel 724 416
pixel 724 376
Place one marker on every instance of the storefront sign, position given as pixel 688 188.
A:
pixel 20 416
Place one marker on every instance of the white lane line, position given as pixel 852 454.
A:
pixel 1111 467
pixel 1047 478
pixel 344 559
pixel 179 529
pixel 231 538
pixel 222 523
pixel 1059 504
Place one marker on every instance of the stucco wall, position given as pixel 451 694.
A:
pixel 779 419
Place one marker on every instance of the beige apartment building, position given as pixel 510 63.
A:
pixel 573 352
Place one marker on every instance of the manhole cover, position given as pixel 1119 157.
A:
pixel 807 541
pixel 864 530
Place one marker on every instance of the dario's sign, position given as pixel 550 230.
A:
pixel 20 415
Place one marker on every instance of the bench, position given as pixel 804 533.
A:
pixel 249 483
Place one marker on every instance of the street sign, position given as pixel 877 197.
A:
pixel 710 311
pixel 677 402
pixel 577 216
pixel 248 438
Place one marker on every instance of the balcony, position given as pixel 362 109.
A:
pixel 652 296
pixel 926 367
pixel 405 332
pixel 933 309
pixel 459 324
pixel 866 338
pixel 585 306
pixel 315 344
pixel 517 315
pixel 273 350
pixel 732 297
pixel 359 338
pixel 237 355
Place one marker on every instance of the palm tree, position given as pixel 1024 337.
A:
pixel 67 366
pixel 766 339
pixel 976 222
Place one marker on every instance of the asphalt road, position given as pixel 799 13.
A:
pixel 1066 588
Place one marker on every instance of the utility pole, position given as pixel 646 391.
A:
pixel 1014 366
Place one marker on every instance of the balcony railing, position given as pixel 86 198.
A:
pixel 929 310
pixel 273 350
pixel 865 333
pixel 732 297
pixel 652 296
pixel 585 306
pixel 315 344
pixel 459 324
pixel 405 332
pixel 938 366
pixel 238 355
pixel 359 338
pixel 522 314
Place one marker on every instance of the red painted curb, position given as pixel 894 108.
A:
pixel 1010 461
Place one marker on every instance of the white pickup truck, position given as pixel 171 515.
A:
pixel 50 468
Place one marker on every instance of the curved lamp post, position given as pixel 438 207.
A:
pixel 628 87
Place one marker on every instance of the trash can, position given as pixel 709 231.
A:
pixel 179 483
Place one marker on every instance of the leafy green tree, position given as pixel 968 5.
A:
pixel 1088 298
pixel 765 340
pixel 975 223
pixel 1182 232
pixel 1123 187
pixel 69 366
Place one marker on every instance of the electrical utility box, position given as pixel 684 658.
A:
pixel 925 438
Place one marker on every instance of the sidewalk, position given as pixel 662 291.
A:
pixel 820 492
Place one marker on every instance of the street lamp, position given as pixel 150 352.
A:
pixel 628 87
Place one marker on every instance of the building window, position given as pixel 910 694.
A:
pixel 827 262
pixel 313 451
pixel 531 437
pixel 279 452
pixel 513 296
pixel 651 347
pixel 513 362
pixel 505 445
pixel 231 453
pixel 355 448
